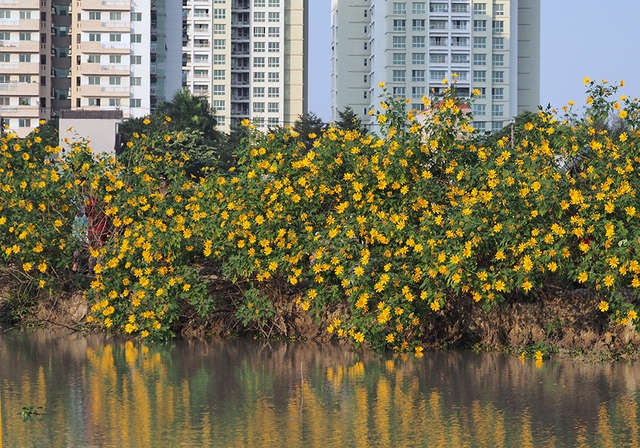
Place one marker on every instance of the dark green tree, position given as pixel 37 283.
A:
pixel 349 120
pixel 309 124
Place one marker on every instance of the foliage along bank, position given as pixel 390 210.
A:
pixel 387 227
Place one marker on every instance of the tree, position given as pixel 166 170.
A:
pixel 307 125
pixel 349 120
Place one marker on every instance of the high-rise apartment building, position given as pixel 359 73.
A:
pixel 249 57
pixel 87 54
pixel 412 46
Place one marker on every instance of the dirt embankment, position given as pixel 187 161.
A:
pixel 568 321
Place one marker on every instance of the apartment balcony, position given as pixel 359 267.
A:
pixel 20 68
pixel 114 69
pixel 106 5
pixel 31 111
pixel 104 48
pixel 103 91
pixel 240 5
pixel 22 46
pixel 20 24
pixel 20 89
pixel 24 4
pixel 108 26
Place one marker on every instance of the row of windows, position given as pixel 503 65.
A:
pixel 271 121
pixel 400 25
pixel 260 31
pixel 221 44
pixel 260 62
pixel 260 16
pixel 481 8
pixel 113 102
pixel 482 126
pixel 481 76
pixel 481 25
pixel 440 58
pixel 114 37
pixel 21 78
pixel 271 107
pixel 22 57
pixel 273 92
pixel 438 75
pixel 21 36
pixel 272 77
pixel 497 110
pixel 113 80
pixel 497 60
pixel 115 16
pixel 400 8
pixel 6 14
pixel 262 3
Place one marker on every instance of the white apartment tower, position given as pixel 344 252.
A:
pixel 412 46
pixel 249 57
pixel 126 54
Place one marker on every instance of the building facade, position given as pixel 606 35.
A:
pixel 413 46
pixel 89 54
pixel 248 57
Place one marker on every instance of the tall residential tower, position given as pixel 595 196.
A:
pixel 249 57
pixel 412 46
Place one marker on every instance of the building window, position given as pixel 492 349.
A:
pixel 498 26
pixel 479 25
pixel 259 31
pixel 94 37
pixel 438 41
pixel 459 41
pixel 94 80
pixel 5 57
pixel 274 62
pixel 399 42
pixel 25 14
pixel 115 37
pixel 398 76
pixel 479 59
pixel 417 75
pixel 258 121
pixel 480 126
pixel 437 24
pixel 274 92
pixel 24 79
pixel 219 104
pixel 258 16
pixel 258 3
pixel 479 76
pixel 419 8
pixel 399 92
pixel 258 108
pixel 24 123
pixel 497 93
pixel 274 3
pixel 273 121
pixel 439 7
pixel 399 25
pixel 136 102
pixel 498 43
pixel 479 42
pixel 136 17
pixel 218 59
pixel 399 58
pixel 418 58
pixel 497 77
pixel 418 24
pixel 498 9
pixel 5 36
pixel 480 8
pixel 460 8
pixel 258 92
pixel 460 58
pixel 437 58
pixel 115 59
pixel 274 17
pixel 95 15
pixel 219 28
pixel 219 90
pixel 115 16
pixel 418 42
pixel 417 92
pixel 94 102
pixel 93 59
pixel 483 92
pixel 496 126
pixel 399 8
pixel 258 47
pixel 459 25
pixel 274 77
pixel 219 13
pixel 437 75
pixel 273 107
pixel 114 102
pixel 274 47
pixel 24 101
pixel 274 31
pixel 498 60
pixel 115 80
pixel 136 81
pixel 479 110
pixel 203 73
pixel 258 77
pixel 136 60
pixel 219 44
pixel 24 57
pixel 258 62
pixel 25 36
pixel 218 75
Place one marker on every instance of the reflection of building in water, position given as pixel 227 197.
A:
pixel 413 46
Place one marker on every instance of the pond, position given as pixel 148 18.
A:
pixel 97 391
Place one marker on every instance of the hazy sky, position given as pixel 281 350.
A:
pixel 595 38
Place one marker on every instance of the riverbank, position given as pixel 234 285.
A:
pixel 566 323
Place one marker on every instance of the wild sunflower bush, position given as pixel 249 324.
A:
pixel 388 225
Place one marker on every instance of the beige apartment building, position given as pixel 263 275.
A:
pixel 249 57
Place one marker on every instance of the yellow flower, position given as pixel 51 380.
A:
pixel 358 337
pixel 586 80
pixel 146 121
pixel 583 277
pixel 603 306
pixel 608 281
pixel 381 84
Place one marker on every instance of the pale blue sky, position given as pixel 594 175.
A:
pixel 595 38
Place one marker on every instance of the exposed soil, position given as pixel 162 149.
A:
pixel 567 321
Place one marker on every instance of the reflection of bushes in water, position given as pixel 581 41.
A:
pixel 379 238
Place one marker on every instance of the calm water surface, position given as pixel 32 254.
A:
pixel 100 392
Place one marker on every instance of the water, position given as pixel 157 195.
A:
pixel 100 392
